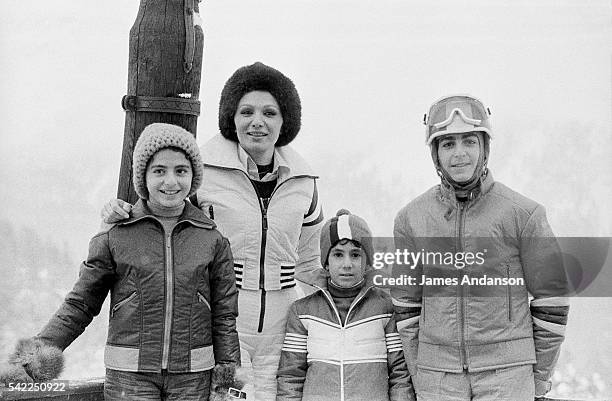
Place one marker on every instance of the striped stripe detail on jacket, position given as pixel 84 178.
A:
pixel 322 359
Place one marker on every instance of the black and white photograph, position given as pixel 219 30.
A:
pixel 306 200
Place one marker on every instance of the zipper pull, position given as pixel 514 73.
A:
pixel 264 212
pixel 211 212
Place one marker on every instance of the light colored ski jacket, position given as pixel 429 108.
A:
pixel 271 244
pixel 457 327
pixel 326 359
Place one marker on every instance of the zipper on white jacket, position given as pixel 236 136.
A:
pixel 342 371
pixel 263 207
pixel 342 335
pixel 264 232
pixel 342 329
pixel 348 313
pixel 262 310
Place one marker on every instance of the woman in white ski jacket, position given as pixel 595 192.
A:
pixel 263 196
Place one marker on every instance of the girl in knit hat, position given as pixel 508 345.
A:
pixel 170 276
pixel 341 342
pixel 263 196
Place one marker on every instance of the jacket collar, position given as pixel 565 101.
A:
pixel 447 192
pixel 319 280
pixel 221 152
pixel 190 214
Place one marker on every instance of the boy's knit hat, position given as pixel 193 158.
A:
pixel 260 77
pixel 158 136
pixel 345 226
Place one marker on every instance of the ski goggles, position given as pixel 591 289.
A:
pixel 456 114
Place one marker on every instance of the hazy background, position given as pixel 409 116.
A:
pixel 366 72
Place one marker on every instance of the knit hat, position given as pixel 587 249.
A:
pixel 345 226
pixel 260 77
pixel 159 136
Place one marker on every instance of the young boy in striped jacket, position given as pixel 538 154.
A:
pixel 341 342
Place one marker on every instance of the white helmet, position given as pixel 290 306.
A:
pixel 455 114
pixel 458 114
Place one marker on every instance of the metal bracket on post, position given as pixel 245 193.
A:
pixel 189 9
pixel 176 105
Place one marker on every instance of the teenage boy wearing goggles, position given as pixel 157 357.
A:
pixel 462 342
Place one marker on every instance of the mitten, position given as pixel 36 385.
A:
pixel 227 376
pixel 32 360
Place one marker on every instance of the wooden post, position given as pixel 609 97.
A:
pixel 164 72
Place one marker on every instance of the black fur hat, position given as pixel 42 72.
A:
pixel 260 77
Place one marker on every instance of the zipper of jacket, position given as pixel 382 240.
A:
pixel 263 207
pixel 459 247
pixel 121 303
pixel 348 313
pixel 343 329
pixel 342 335
pixel 203 300
pixel 169 269
pixel 354 303
pixel 169 298
pixel 509 290
pixel 264 232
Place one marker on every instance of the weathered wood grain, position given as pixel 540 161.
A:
pixel 156 67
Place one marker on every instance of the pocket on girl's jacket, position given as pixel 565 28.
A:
pixel 125 321
pixel 201 324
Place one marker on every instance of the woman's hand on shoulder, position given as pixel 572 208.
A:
pixel 115 210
